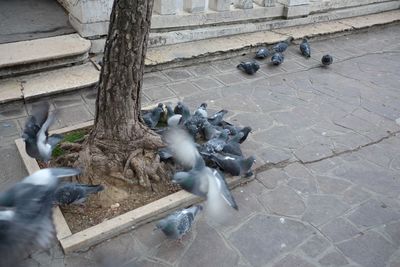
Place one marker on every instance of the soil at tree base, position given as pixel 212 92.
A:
pixel 92 213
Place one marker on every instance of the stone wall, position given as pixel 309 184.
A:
pixel 176 21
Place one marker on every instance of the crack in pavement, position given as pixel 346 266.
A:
pixel 285 163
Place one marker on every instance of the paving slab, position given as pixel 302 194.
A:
pixel 10 89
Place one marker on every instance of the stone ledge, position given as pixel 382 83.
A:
pixel 225 47
pixel 122 223
pixel 28 56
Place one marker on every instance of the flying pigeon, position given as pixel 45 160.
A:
pixel 277 58
pixel 235 165
pixel 38 143
pixel 74 193
pixel 152 117
pixel 249 67
pixel 327 60
pixel 179 223
pixel 202 180
pixel 305 48
pixel 29 223
pixel 180 145
pixel 217 118
pixel 282 46
pixel 262 52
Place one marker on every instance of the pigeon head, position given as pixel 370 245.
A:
pixel 304 40
pixel 166 226
pixel 184 179
pixel 203 105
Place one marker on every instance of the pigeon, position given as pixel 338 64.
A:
pixel 183 110
pixel 216 144
pixel 210 131
pixel 282 46
pixel 179 223
pixel 165 154
pixel 233 130
pixel 217 118
pixel 201 180
pixel 277 58
pixel 38 144
pixel 305 48
pixel 28 223
pixel 249 67
pixel 180 146
pixel 262 52
pixel 232 146
pixel 234 165
pixel 327 60
pixel 74 193
pixel 202 110
pixel 152 117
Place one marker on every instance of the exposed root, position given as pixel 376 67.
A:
pixel 73 147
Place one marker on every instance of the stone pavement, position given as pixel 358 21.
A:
pixel 326 141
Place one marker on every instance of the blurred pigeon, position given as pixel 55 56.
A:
pixel 235 165
pixel 45 143
pixel 282 46
pixel 179 223
pixel 249 67
pixel 327 60
pixel 262 52
pixel 202 110
pixel 277 58
pixel 305 48
pixel 181 146
pixel 74 193
pixel 201 180
pixel 152 117
pixel 29 224
pixel 38 144
pixel 217 118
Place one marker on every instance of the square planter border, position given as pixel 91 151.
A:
pixel 123 223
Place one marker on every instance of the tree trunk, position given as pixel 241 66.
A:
pixel 121 149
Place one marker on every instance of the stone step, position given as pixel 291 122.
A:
pixel 183 54
pixel 39 54
pixel 49 82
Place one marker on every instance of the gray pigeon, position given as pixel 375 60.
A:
pixel 38 143
pixel 327 60
pixel 277 58
pixel 210 131
pixel 305 48
pixel 152 117
pixel 217 143
pixel 179 223
pixel 202 110
pixel 217 118
pixel 183 110
pixel 234 165
pixel 262 52
pixel 249 67
pixel 28 222
pixel 232 146
pixel 233 130
pixel 282 46
pixel 74 193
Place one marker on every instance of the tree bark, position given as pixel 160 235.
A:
pixel 121 149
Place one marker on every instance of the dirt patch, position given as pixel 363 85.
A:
pixel 92 213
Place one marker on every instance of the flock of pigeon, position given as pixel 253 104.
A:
pixel 26 209
pixel 203 147
pixel 251 66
